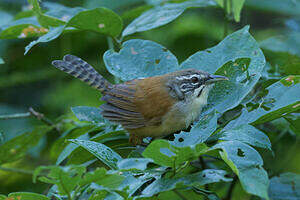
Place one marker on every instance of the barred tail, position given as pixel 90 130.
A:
pixel 82 70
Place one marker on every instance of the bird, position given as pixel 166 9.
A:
pixel 153 107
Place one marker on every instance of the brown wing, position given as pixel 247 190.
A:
pixel 137 103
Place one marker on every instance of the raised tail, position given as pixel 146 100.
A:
pixel 83 71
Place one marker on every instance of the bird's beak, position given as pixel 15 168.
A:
pixel 216 78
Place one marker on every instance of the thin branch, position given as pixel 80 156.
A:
pixel 40 117
pixel 15 170
pixel 31 113
pixel 15 116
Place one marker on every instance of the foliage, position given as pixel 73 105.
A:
pixel 230 141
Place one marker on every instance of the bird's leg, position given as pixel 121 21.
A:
pixel 135 139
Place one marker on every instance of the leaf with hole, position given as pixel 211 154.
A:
pixel 246 163
pixel 197 179
pixel 140 58
pixel 246 134
pixel 165 154
pixel 282 98
pixel 239 58
pixel 198 133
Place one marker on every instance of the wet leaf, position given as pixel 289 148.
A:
pixel 49 36
pixel 134 163
pixel 161 15
pixel 285 187
pixel 197 179
pixel 198 133
pixel 102 152
pixel 246 134
pixel 138 59
pixel 239 58
pixel 246 163
pixel 282 98
pixel 165 154
pixel 17 147
pixel 90 114
pixel 101 20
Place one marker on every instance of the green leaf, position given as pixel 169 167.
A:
pixel 111 4
pixel 234 7
pixel 140 58
pixel 282 98
pixel 134 163
pixel 44 20
pixel 197 179
pixel 283 43
pixel 51 35
pixel 101 177
pixel 165 154
pixel 294 120
pixel 17 147
pixel 26 196
pixel 198 133
pixel 102 152
pixel 287 7
pixel 22 28
pixel 101 20
pixel 231 58
pixel 246 134
pixel 162 15
pixel 61 12
pixel 90 114
pixel 3 197
pixel 247 164
pixel 285 187
pixel 69 149
pixel 66 178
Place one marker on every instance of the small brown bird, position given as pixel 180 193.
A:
pixel 149 107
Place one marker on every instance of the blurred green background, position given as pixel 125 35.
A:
pixel 31 81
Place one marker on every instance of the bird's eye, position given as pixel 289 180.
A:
pixel 194 79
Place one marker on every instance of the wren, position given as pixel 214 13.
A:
pixel 150 107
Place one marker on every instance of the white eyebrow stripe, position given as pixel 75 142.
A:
pixel 181 78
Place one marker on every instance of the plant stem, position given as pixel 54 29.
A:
pixel 21 171
pixel 231 187
pixel 180 195
pixel 226 21
pixel 203 165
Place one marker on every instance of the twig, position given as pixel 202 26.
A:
pixel 21 171
pixel 41 117
pixel 31 113
pixel 15 116
pixel 231 187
